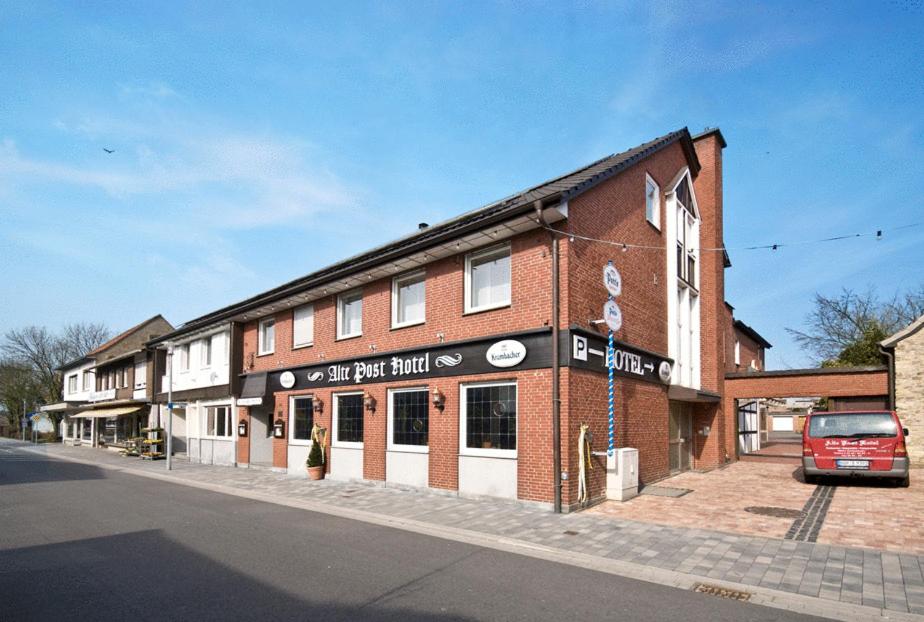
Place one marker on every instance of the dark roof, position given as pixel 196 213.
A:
pixel 709 131
pixel 753 334
pixel 122 336
pixel 559 188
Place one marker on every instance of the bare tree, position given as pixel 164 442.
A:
pixel 845 329
pixel 44 352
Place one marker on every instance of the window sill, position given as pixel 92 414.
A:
pixel 270 353
pixel 653 225
pixel 409 449
pixel 486 308
pixel 346 445
pixel 348 337
pixel 503 454
pixel 297 442
pixel 407 325
pixel 302 346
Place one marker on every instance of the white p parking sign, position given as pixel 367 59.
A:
pixel 580 348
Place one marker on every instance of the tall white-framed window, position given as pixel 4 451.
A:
pixel 487 279
pixel 141 374
pixel 347 420
pixel 737 352
pixel 72 384
pixel 409 419
pixel 266 336
pixel 218 421
pixel 205 352
pixel 301 419
pixel 488 419
pixel 652 202
pixel 350 314
pixel 87 380
pixel 183 352
pixel 684 318
pixel 408 299
pixel 303 326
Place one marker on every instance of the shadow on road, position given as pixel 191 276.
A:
pixel 23 468
pixel 144 575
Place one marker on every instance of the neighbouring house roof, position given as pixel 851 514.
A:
pixel 115 340
pixel 753 334
pixel 904 333
pixel 559 189
pixel 75 363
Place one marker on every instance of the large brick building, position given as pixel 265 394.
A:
pixel 445 358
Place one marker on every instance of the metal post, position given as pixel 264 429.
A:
pixel 169 449
pixel 611 445
pixel 21 426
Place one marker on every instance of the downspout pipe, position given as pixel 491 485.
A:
pixel 556 365
pixel 890 354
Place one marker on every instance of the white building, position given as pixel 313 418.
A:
pixel 197 380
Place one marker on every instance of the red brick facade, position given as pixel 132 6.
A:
pixel 612 210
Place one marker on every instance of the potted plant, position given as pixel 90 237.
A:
pixel 315 462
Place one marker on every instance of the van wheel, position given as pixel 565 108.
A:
pixel 904 483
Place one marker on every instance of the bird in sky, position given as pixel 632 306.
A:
pixel 108 150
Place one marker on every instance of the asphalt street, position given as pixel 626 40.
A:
pixel 82 543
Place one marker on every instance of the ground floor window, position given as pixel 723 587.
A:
pixel 302 418
pixel 218 421
pixel 410 417
pixel 348 418
pixel 489 418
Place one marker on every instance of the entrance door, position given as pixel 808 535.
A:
pixel 680 437
pixel 261 437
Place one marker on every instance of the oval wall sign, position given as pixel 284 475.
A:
pixel 664 371
pixel 506 353
pixel 612 315
pixel 612 280
pixel 287 379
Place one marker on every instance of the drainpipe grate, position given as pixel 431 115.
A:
pixel 721 592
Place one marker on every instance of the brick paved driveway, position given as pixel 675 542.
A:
pixel 864 514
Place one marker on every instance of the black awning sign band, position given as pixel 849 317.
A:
pixel 589 351
pixel 441 360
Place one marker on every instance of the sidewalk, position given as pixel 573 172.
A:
pixel 826 580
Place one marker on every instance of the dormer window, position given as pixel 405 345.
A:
pixel 652 202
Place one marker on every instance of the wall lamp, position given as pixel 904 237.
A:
pixel 317 405
pixel 369 402
pixel 439 400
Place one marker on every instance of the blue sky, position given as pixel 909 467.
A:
pixel 254 145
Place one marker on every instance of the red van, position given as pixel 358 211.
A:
pixel 855 443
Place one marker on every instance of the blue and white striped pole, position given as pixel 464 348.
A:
pixel 612 419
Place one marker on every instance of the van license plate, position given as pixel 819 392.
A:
pixel 853 464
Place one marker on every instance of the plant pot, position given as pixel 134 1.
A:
pixel 315 473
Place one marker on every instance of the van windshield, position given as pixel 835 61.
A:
pixel 853 425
